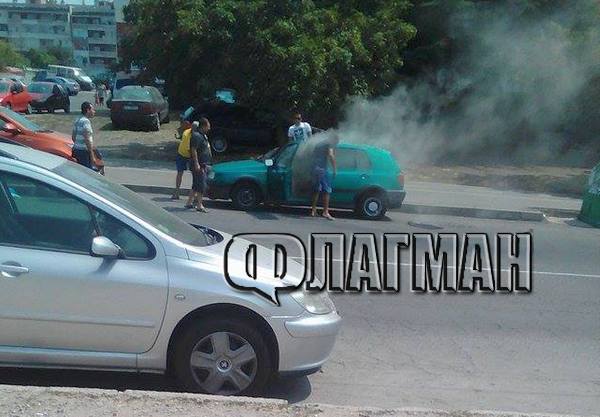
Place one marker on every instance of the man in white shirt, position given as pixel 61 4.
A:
pixel 83 142
pixel 299 131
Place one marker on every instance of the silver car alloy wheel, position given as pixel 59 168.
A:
pixel 223 363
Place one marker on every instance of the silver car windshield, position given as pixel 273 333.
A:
pixel 135 204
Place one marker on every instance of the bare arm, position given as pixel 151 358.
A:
pixel 194 155
pixel 332 160
pixel 87 136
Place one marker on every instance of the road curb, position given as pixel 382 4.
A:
pixel 21 401
pixel 494 214
pixel 480 213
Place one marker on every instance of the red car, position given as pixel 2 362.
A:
pixel 14 95
pixel 17 128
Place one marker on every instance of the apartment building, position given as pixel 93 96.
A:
pixel 89 31
pixel 94 33
pixel 35 25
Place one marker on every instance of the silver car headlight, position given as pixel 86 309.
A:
pixel 314 302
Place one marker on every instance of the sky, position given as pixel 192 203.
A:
pixel 78 2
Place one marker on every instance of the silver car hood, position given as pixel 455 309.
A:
pixel 236 265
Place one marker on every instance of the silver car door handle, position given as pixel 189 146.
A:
pixel 13 269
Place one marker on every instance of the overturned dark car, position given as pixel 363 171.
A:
pixel 233 124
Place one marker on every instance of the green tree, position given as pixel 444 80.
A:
pixel 10 57
pixel 63 56
pixel 39 58
pixel 277 55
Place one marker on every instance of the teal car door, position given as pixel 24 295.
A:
pixel 279 176
pixel 353 174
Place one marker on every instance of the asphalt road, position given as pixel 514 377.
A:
pixel 537 352
pixel 77 100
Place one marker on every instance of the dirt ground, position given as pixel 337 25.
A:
pixel 126 144
pixel 104 134
pixel 162 145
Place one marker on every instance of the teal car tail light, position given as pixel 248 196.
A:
pixel 401 179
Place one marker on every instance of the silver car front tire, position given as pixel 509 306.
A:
pixel 223 357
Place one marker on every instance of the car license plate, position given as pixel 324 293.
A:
pixel 130 107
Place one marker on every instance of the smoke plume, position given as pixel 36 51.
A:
pixel 509 96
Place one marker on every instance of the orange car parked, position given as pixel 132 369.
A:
pixel 17 128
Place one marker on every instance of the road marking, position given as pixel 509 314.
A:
pixel 566 274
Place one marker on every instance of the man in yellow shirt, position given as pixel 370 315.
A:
pixel 182 162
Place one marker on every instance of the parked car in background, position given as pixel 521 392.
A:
pixel 233 124
pixel 117 283
pixel 368 180
pixel 15 127
pixel 75 73
pixel 139 106
pixel 14 95
pixel 125 78
pixel 72 73
pixel 49 96
pixel 71 86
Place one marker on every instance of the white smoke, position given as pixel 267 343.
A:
pixel 506 97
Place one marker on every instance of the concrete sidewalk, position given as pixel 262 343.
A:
pixel 17 401
pixel 422 197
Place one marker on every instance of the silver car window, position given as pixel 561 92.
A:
pixel 135 204
pixel 44 217
pixel 133 245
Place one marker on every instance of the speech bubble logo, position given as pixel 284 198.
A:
pixel 265 263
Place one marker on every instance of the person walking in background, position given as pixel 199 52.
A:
pixel 200 159
pixel 101 94
pixel 299 131
pixel 323 153
pixel 182 161
pixel 83 140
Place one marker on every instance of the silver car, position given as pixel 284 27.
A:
pixel 94 276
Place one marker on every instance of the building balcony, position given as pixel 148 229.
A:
pixel 102 54
pixel 102 41
pixel 95 26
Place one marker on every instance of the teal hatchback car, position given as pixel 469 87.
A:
pixel 368 180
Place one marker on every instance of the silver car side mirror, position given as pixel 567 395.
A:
pixel 103 247
pixel 269 162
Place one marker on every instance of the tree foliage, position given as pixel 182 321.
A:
pixel 10 57
pixel 40 59
pixel 278 55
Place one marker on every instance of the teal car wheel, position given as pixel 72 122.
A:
pixel 372 205
pixel 246 196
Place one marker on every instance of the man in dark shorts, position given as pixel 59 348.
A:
pixel 84 151
pixel 323 153
pixel 200 159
